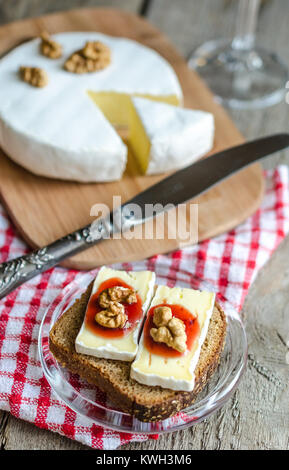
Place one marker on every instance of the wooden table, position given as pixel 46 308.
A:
pixel 257 416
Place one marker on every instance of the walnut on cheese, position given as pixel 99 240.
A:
pixel 170 330
pixel 92 57
pixel 34 76
pixel 111 319
pixel 49 47
pixel 110 299
pixel 122 294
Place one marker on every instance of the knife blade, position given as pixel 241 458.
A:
pixel 177 188
pixel 201 176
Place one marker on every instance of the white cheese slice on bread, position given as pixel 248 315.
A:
pixel 176 373
pixel 123 348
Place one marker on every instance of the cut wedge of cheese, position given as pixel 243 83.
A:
pixel 123 347
pixel 118 107
pixel 176 373
pixel 165 137
pixel 162 136
pixel 58 131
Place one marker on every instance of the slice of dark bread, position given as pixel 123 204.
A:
pixel 111 376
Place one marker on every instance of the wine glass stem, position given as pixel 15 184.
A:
pixel 246 25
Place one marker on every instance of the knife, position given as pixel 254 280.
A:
pixel 175 189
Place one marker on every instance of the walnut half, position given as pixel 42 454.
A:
pixel 113 315
pixel 49 47
pixel 92 57
pixel 117 294
pixel 113 318
pixel 170 330
pixel 34 76
pixel 122 294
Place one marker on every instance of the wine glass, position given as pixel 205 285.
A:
pixel 240 74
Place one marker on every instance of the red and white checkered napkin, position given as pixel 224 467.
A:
pixel 228 262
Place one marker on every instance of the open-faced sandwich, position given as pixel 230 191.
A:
pixel 150 349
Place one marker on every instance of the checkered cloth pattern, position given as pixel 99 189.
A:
pixel 228 262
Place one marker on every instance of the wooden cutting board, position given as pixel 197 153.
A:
pixel 44 209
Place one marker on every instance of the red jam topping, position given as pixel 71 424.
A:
pixel 133 312
pixel 161 349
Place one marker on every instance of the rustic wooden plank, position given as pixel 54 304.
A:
pixel 18 9
pixel 257 416
pixel 4 417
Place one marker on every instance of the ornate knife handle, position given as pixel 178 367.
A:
pixel 19 270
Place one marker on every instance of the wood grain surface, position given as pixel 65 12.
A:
pixel 257 416
pixel 44 209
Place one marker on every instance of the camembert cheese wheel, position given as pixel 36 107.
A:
pixel 66 129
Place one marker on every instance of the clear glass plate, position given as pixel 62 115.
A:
pixel 92 403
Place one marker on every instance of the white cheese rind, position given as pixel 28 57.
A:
pixel 175 373
pixel 56 131
pixel 123 348
pixel 178 136
pixel 66 157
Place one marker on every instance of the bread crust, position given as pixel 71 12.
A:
pixel 112 377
